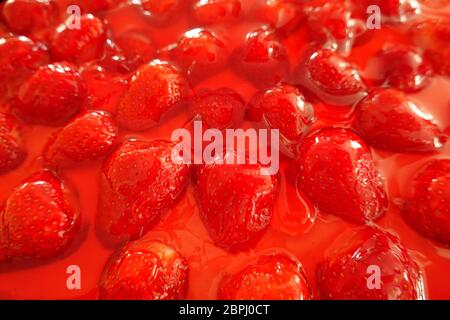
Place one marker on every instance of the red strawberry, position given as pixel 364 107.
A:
pixel 331 78
pixel 428 210
pixel 330 23
pixel 404 68
pixel 337 172
pixel 161 10
pixel 262 59
pixel 200 53
pixel 96 5
pixel 217 11
pixel 284 107
pixel 89 137
pixel 53 95
pixel 39 220
pixel 351 271
pixel 19 58
pixel 395 11
pixel 79 45
pixel 220 109
pixel 139 183
pixel 25 16
pixel 433 37
pixel 272 277
pixel 145 270
pixel 136 47
pixel 282 15
pixel 155 89
pixel 236 201
pixel 12 149
pixel 386 119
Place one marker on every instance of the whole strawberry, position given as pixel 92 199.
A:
pixel 236 201
pixel 39 219
pixel 332 78
pixel 139 183
pixel 145 270
pixel 285 108
pixel 370 264
pixel 272 277
pixel 79 44
pixel 12 149
pixel 155 89
pixel 386 119
pixel 428 209
pixel 88 137
pixel 53 95
pixel 262 59
pixel 337 172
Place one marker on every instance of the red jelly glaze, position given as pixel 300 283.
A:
pixel 182 227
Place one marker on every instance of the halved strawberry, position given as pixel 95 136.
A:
pixel 145 270
pixel 219 109
pixel 217 11
pixel 12 149
pixel 19 58
pixel 285 108
pixel 25 16
pixel 199 53
pixel 155 89
pixel 386 119
pixel 370 264
pixel 337 172
pixel 39 219
pixel 79 45
pixel 331 78
pixel 53 95
pixel 428 209
pixel 272 277
pixel 262 59
pixel 236 201
pixel 89 137
pixel 139 183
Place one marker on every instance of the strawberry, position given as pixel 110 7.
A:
pixel 282 15
pixel 433 37
pixel 79 45
pixel 386 119
pixel 39 219
pixel 272 277
pixel 236 201
pixel 155 89
pixel 262 59
pixel 89 137
pixel 139 183
pixel 217 11
pixel 96 5
pixel 350 272
pixel 25 16
pixel 19 58
pixel 330 24
pixel 200 53
pixel 145 270
pixel 160 10
pixel 331 78
pixel 53 95
pixel 136 47
pixel 395 11
pixel 428 209
pixel 404 68
pixel 12 149
pixel 283 107
pixel 337 172
pixel 220 109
